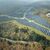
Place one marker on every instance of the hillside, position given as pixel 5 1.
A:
pixel 15 32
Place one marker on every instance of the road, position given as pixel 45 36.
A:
pixel 37 25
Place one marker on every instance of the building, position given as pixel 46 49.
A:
pixel 48 14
